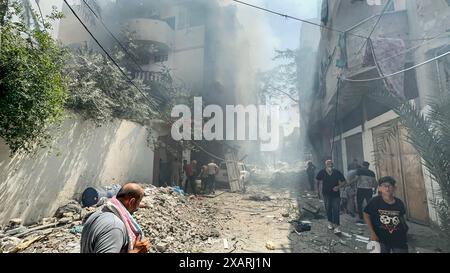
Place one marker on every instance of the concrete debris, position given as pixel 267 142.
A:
pixel 72 207
pixel 173 222
pixel 270 245
pixel 25 244
pixel 14 222
pixel 225 244
pixel 50 220
pixel 260 198
pixel 303 227
pixel 161 247
pixel 7 244
pixel 14 231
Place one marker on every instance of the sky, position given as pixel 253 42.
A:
pixel 281 33
pixel 287 31
pixel 276 32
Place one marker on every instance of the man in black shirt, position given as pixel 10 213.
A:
pixel 385 217
pixel 332 181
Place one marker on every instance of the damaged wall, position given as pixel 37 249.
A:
pixel 32 187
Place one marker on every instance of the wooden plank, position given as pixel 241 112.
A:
pixel 233 172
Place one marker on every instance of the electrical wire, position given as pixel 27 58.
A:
pixel 40 12
pixel 208 153
pixel 299 19
pixel 132 56
pixel 152 103
pixel 399 72
pixel 376 24
pixel 426 41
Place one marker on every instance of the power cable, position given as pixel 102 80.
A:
pixel 426 41
pixel 132 56
pixel 208 153
pixel 376 24
pixel 401 71
pixel 152 103
pixel 40 12
pixel 298 19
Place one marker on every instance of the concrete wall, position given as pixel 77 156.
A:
pixel 428 21
pixel 431 186
pixel 32 187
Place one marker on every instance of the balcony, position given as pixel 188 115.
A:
pixel 149 76
pixel 153 31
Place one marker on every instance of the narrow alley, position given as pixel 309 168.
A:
pixel 264 219
pixel 224 127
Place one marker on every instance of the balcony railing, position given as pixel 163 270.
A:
pixel 149 76
pixel 151 30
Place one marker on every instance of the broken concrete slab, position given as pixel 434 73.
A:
pixel 14 223
pixel 270 245
pixel 161 247
pixel 260 198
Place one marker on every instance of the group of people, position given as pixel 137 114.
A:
pixel 112 228
pixel 384 214
pixel 207 175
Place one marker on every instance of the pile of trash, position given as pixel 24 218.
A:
pixel 173 222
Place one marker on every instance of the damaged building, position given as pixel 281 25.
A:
pixel 347 121
pixel 203 46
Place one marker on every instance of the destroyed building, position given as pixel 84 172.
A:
pixel 202 44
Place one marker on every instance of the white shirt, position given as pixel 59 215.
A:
pixel 212 168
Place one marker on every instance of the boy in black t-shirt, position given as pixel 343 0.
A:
pixel 385 217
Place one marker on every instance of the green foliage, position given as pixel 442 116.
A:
pixel 32 87
pixel 281 80
pixel 99 92
pixel 430 136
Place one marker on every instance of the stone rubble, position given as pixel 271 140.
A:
pixel 174 223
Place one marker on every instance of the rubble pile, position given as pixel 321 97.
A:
pixel 173 223
pixel 281 175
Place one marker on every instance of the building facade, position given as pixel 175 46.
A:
pixel 348 122
pixel 199 41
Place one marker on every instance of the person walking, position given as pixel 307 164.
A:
pixel 331 181
pixel 385 219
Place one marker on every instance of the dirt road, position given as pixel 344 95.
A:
pixel 256 226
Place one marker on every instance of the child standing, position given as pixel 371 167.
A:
pixel 385 218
